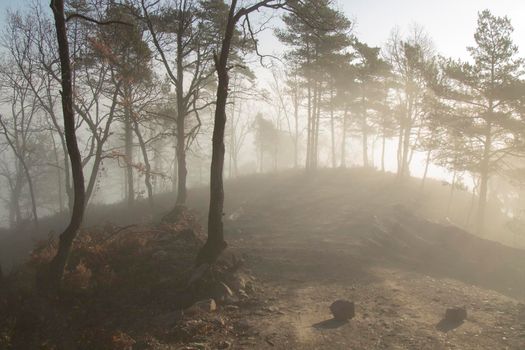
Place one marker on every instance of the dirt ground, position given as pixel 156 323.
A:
pixel 306 241
pixel 362 244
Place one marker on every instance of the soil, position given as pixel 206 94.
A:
pixel 367 243
pixel 306 241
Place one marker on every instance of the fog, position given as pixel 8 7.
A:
pixel 289 174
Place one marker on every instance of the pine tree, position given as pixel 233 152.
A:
pixel 484 93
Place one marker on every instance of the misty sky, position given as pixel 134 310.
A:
pixel 450 23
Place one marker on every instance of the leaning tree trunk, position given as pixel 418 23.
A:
pixel 215 243
pixel 147 164
pixel 58 263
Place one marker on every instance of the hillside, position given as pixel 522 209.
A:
pixel 306 241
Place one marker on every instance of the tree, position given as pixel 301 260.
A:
pixel 239 125
pixel 58 263
pixel 266 139
pixel 408 58
pixel 129 56
pixel 31 49
pixel 484 93
pixel 179 30
pixel 19 132
pixel 371 73
pixel 317 35
pixel 215 243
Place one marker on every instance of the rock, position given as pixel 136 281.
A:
pixel 189 236
pixel 342 310
pixel 122 341
pixel 236 215
pixel 197 346
pixel 456 314
pixel 243 294
pixel 231 308
pixel 160 255
pixel 169 319
pixel 208 305
pixel 243 325
pixel 221 292
pixel 250 287
pixel 238 282
pixel 224 345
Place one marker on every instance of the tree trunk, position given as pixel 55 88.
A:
pixel 182 171
pixel 15 214
pixel 174 176
pixel 484 178
pixel 31 191
pixel 317 126
pixel 93 176
pixel 59 177
pixel 128 153
pixel 471 207
pixel 332 126
pixel 400 151
pixel 261 157
pixel 296 136
pixel 58 263
pixel 406 150
pixel 215 243
pixel 451 194
pixel 383 144
pixel 365 143
pixel 147 164
pixel 482 202
pixel 343 140
pixel 427 164
pixel 310 117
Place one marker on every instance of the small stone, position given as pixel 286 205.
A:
pixel 243 325
pixel 224 345
pixel 238 282
pixel 342 310
pixel 160 255
pixel 456 314
pixel 197 346
pixel 231 308
pixel 208 305
pixel 221 292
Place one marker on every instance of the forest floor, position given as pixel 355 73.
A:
pixel 313 241
pixel 308 241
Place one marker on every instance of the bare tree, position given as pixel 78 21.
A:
pixel 215 243
pixel 176 30
pixel 19 133
pixel 58 263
